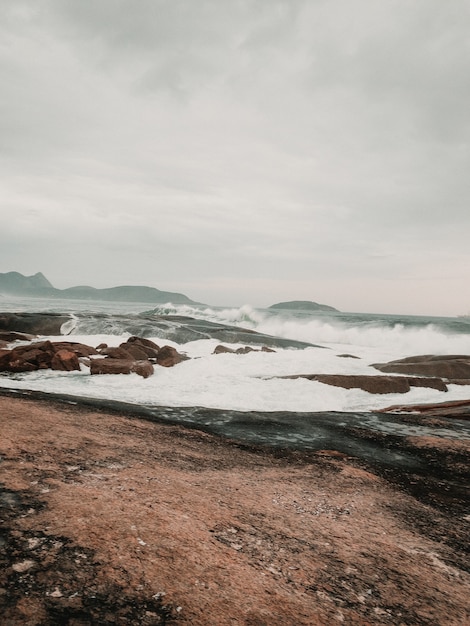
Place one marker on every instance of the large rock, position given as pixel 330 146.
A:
pixel 441 366
pixel 33 323
pixel 39 355
pixel 168 356
pixel 121 366
pixel 457 409
pixel 374 384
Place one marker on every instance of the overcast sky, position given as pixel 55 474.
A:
pixel 240 151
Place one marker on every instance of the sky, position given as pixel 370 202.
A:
pixel 240 151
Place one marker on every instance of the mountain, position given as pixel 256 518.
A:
pixel 302 305
pixel 14 283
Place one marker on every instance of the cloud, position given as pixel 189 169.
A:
pixel 271 141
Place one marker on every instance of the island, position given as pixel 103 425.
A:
pixel 302 305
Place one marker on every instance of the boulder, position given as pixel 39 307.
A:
pixel 117 353
pixel 440 366
pixel 457 409
pixel 374 384
pixel 39 355
pixel 221 349
pixel 121 366
pixel 168 356
pixel 11 336
pixel 33 323
pixel 65 360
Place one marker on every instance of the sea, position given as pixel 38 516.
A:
pixel 219 391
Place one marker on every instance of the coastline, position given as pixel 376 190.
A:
pixel 102 514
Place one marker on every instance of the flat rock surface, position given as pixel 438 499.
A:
pixel 111 520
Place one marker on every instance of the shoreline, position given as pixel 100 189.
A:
pixel 102 514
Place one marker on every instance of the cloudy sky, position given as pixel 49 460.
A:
pixel 240 151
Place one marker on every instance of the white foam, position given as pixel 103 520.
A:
pixel 238 382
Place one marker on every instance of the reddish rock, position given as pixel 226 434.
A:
pixel 457 409
pixel 117 353
pixel 143 368
pixel 65 360
pixel 80 349
pixel 121 366
pixel 101 346
pixel 441 366
pixel 374 384
pixel 220 349
pixel 135 351
pixel 168 356
pixel 149 346
pixel 43 355
pixel 10 336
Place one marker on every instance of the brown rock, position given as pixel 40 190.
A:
pixel 143 368
pixel 441 366
pixel 134 350
pixel 65 360
pixel 10 336
pixel 117 353
pixel 121 366
pixel 220 349
pixel 169 356
pixel 374 384
pixel 457 409
pixel 111 366
pixel 80 349
pixel 146 344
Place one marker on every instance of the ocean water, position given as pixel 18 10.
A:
pixel 305 343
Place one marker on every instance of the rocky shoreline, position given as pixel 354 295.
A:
pixel 107 518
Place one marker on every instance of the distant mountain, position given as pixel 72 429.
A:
pixel 14 283
pixel 302 305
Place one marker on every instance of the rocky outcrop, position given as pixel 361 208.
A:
pixel 39 355
pixel 136 355
pixel 446 366
pixel 458 409
pixel 374 384
pixel 121 366
pixel 33 323
pixel 221 349
pixel 168 356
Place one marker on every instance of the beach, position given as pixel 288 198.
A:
pixel 112 519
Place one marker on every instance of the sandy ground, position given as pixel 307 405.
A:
pixel 111 520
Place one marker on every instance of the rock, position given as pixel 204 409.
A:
pixel 121 366
pixel 80 349
pixel 117 353
pixel 347 356
pixel 33 323
pixel 168 356
pixel 458 409
pixel 143 368
pixel 220 349
pixel 441 366
pixel 11 336
pixel 39 355
pixel 65 360
pixel 374 384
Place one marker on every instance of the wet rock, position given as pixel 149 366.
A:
pixel 441 366
pixel 43 355
pixel 65 360
pixel 374 384
pixel 33 323
pixel 221 349
pixel 458 409
pixel 121 366
pixel 169 356
pixel 11 336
